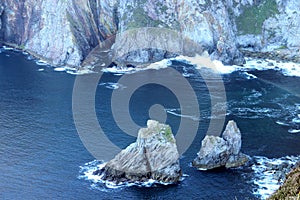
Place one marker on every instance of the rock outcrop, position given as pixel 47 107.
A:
pixel 61 32
pixel 65 32
pixel 290 188
pixel 221 151
pixel 153 156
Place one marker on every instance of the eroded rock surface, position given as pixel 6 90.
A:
pixel 65 32
pixel 1 11
pixel 222 151
pixel 290 188
pixel 154 156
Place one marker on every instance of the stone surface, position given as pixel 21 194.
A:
pixel 61 32
pixel 283 29
pixel 154 156
pixel 1 11
pixel 207 23
pixel 221 151
pixel 65 32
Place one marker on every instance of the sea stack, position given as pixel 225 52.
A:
pixel 222 151
pixel 154 156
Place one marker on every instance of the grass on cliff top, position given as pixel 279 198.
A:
pixel 253 17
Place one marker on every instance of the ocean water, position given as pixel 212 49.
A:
pixel 42 156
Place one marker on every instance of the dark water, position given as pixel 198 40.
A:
pixel 41 152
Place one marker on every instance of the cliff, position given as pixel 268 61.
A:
pixel 290 188
pixel 64 32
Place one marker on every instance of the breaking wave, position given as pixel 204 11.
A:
pixel 86 172
pixel 269 174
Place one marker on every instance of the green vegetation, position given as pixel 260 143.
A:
pixel 71 20
pixel 168 134
pixel 141 19
pixel 22 47
pixel 163 8
pixel 281 47
pixel 252 19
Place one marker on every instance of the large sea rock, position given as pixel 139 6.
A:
pixel 153 156
pixel 222 151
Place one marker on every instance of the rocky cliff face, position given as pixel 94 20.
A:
pixel 290 188
pixel 1 11
pixel 268 25
pixel 65 31
pixel 62 32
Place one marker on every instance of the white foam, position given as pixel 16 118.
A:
pixel 296 120
pixel 41 70
pixel 7 48
pixel 30 57
pixel 59 69
pixel 41 62
pixel 87 173
pixel 225 69
pixel 265 177
pixel 159 65
pixel 249 76
pixel 113 86
pixel 294 131
pixel 286 68
pixel 201 169
pixel 173 112
pixel 79 72
pixel 129 70
pixel 119 70
pixel 256 112
pixel 282 123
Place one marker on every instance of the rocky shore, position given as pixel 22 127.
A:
pixel 280 55
pixel 290 189
pixel 154 156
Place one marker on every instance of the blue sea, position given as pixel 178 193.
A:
pixel 43 157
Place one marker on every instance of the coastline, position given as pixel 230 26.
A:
pixel 290 188
pixel 280 55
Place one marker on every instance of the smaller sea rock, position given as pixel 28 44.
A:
pixel 154 156
pixel 222 151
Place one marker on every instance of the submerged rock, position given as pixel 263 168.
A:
pixel 222 151
pixel 154 156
